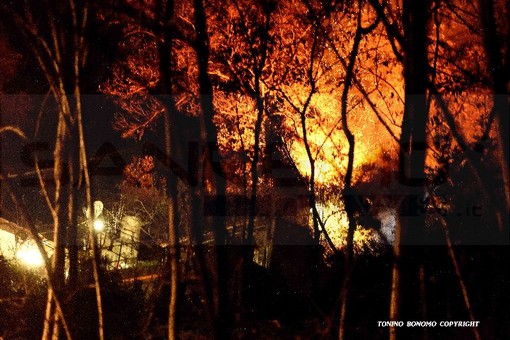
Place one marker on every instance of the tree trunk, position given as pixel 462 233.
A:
pixel 72 208
pixel 165 55
pixel 500 86
pixel 349 201
pixel 213 173
pixel 395 283
pixel 58 211
pixel 411 221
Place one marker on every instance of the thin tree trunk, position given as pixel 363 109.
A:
pixel 34 233
pixel 252 212
pixel 173 217
pixel 174 269
pixel 411 220
pixel 197 230
pixel 92 235
pixel 258 66
pixel 48 316
pixel 312 199
pixel 500 86
pixel 59 216
pixel 79 53
pixel 395 283
pixel 223 318
pixel 458 273
pixel 56 327
pixel 348 199
pixel 165 54
pixel 72 232
pixel 173 223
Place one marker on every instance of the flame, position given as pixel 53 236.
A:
pixel 327 141
pixel 335 220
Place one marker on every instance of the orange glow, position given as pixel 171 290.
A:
pixel 328 143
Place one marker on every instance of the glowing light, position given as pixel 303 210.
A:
pixel 337 226
pixel 29 254
pixel 98 225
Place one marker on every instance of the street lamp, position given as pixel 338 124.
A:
pixel 98 225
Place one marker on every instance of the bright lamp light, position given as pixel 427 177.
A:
pixel 98 225
pixel 29 254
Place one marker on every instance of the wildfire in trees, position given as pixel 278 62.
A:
pixel 282 67
pixel 140 173
pixel 289 60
